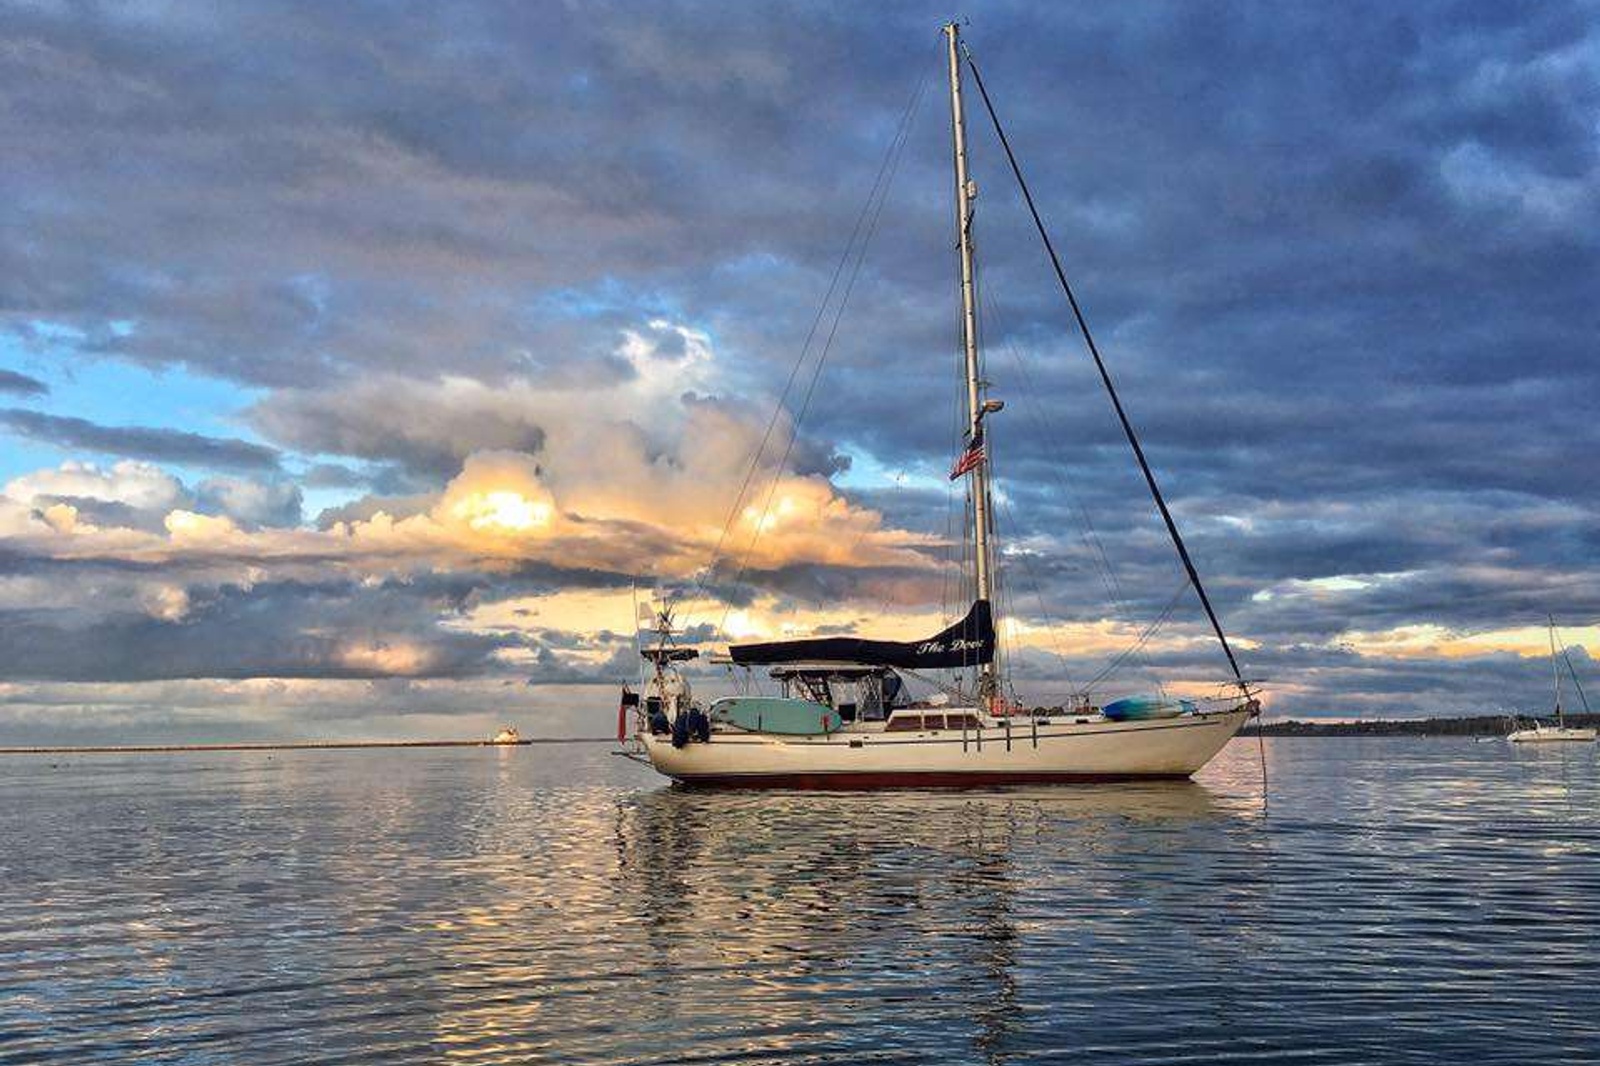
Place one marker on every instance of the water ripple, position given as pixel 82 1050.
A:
pixel 1402 901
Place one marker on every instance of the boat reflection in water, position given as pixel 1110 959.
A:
pixel 808 917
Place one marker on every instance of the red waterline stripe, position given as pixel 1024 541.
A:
pixel 853 779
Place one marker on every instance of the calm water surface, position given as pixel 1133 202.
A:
pixel 1401 901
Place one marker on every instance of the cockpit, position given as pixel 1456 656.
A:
pixel 858 693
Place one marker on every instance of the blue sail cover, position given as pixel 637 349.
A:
pixel 970 642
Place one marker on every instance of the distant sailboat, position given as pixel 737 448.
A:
pixel 1539 733
pixel 845 718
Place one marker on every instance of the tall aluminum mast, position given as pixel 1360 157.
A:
pixel 966 190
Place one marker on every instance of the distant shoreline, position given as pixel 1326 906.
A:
pixel 288 745
pixel 1476 725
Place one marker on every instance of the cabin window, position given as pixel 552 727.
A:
pixel 905 723
pixel 933 722
pixel 963 721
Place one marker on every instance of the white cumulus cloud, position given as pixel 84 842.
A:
pixel 140 485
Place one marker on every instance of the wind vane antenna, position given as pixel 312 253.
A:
pixel 1105 378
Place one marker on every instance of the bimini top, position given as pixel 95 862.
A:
pixel 970 642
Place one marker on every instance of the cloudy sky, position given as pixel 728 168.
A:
pixel 356 361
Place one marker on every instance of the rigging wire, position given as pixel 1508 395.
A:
pixel 948 590
pixel 964 580
pixel 1105 571
pixel 1143 638
pixel 959 589
pixel 999 576
pixel 895 144
pixel 953 586
pixel 1038 592
pixel 1105 377
pixel 1568 660
pixel 954 691
pixel 873 213
pixel 999 589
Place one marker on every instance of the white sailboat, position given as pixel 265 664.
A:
pixel 844 718
pixel 1560 732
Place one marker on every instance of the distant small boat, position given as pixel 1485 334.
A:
pixel 508 735
pixel 1539 733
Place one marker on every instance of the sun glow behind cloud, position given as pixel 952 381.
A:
pixel 502 509
pixel 631 476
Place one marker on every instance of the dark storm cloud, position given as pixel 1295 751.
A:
pixel 1340 258
pixel 384 478
pixel 422 443
pixel 333 476
pixel 395 207
pixel 106 512
pixel 363 509
pixel 550 666
pixel 140 442
pixel 801 587
pixel 251 504
pixel 21 384
pixel 294 629
pixel 306 629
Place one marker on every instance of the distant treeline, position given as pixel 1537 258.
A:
pixel 1476 725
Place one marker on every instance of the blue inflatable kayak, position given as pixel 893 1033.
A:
pixel 1140 708
pixel 774 714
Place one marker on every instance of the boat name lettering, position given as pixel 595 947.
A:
pixel 933 647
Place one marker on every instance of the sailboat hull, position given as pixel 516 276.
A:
pixel 1552 735
pixel 1047 754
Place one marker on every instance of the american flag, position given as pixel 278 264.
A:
pixel 970 459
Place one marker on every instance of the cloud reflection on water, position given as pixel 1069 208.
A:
pixel 1424 900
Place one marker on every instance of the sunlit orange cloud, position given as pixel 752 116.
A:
pixel 399 658
pixel 500 509
pixel 1103 636
pixel 575 610
pixel 646 474
pixel 769 618
pixel 1428 641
